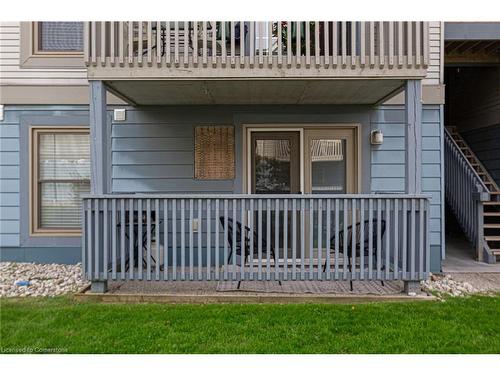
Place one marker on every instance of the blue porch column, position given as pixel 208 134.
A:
pixel 98 138
pixel 413 115
pixel 98 153
pixel 413 119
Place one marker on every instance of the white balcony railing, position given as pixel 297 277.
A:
pixel 256 48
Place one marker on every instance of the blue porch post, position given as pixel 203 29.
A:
pixel 413 114
pixel 98 153
pixel 413 119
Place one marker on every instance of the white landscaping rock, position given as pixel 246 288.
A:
pixel 444 284
pixel 43 279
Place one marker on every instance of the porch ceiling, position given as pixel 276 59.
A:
pixel 234 92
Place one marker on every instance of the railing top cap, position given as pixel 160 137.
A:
pixel 255 196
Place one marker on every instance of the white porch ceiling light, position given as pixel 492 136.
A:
pixel 1 112
pixel 377 137
pixel 119 114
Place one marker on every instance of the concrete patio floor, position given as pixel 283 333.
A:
pixel 460 257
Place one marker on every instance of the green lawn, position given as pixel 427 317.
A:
pixel 458 325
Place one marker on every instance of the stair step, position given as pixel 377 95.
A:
pixel 492 203
pixel 492 238
pixel 494 192
pixel 495 251
pixel 491 214
pixel 490 226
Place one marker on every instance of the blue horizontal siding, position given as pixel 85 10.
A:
pixel 9 181
pixel 388 160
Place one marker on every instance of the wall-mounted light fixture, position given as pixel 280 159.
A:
pixel 1 112
pixel 377 137
pixel 119 114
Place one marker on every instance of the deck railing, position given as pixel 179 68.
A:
pixel 463 192
pixel 285 237
pixel 282 47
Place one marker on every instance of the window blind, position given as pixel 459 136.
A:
pixel 61 36
pixel 64 175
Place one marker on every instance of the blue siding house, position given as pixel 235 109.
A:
pixel 224 150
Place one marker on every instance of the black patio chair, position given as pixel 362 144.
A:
pixel 366 240
pixel 247 234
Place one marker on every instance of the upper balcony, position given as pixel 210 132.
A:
pixel 206 53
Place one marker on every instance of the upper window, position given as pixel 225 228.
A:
pixel 59 37
pixel 61 159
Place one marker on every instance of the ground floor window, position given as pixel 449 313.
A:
pixel 60 175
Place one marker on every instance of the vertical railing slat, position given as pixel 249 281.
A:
pixel 316 44
pixel 336 233
pixel 396 239
pixel 183 239
pixel 217 238
pixel 86 42
pixel 140 42
pixel 412 240
pixel 328 244
pixel 112 48
pixel 298 46
pixel 268 239
pixel 252 244
pixel 130 46
pixel 176 46
pixel 167 43
pixel 200 235
pixel 276 236
pixel 157 239
pixel 252 44
pixel 226 237
pixel 174 239
pixel 233 44
pixel 289 53
pixel 234 232
pixel 381 44
pixel 285 239
pixel 311 238
pixel 362 238
pixel 122 238
pixel 159 48
pixel 209 238
pixel 113 239
pixel 320 236
pixel 140 240
pixel 372 43
pixel 102 29
pixel 165 239
pixel 353 44
pixel 362 44
pixel 353 239
pixel 150 42
pixel 400 43
pixel 148 239
pixel 334 44
pixel 379 239
pixel 370 238
pixel 409 45
pixel 186 44
pixel 270 44
pixel 294 239
pixel 404 213
pixel 97 237
pixel 391 44
pixel 121 40
pixel 302 238
pixel 344 43
pixel 259 239
pixel 191 245
pixel 387 237
pixel 345 207
pixel 105 239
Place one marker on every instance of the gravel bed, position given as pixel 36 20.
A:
pixel 36 280
pixel 446 285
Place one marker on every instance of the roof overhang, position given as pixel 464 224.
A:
pixel 255 92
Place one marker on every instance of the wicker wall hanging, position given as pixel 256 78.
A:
pixel 214 153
